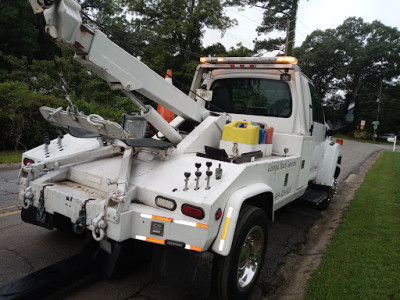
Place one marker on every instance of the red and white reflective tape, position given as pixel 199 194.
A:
pixel 225 229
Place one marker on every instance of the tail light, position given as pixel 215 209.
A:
pixel 339 141
pixel 27 161
pixel 192 211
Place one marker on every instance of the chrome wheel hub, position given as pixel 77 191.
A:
pixel 250 257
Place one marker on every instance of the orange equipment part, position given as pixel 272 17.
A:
pixel 164 112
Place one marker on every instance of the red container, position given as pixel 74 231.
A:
pixel 269 134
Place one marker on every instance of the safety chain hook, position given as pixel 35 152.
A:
pixel 80 224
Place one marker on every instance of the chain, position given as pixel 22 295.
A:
pixel 41 209
pixel 80 224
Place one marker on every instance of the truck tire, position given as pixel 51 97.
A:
pixel 236 274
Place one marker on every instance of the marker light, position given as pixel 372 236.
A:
pixel 286 60
pixel 218 214
pixel 251 61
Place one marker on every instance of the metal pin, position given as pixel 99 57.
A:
pixel 187 175
pixel 198 174
pixel 208 164
pixel 209 174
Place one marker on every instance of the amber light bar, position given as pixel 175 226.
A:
pixel 250 60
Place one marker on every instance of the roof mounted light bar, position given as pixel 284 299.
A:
pixel 250 60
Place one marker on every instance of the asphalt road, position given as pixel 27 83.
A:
pixel 25 248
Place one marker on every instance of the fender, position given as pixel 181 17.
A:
pixel 223 242
pixel 327 166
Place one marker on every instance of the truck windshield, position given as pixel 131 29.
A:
pixel 251 96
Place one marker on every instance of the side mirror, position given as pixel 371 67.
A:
pixel 351 110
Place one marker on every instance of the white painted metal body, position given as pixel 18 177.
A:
pixel 119 184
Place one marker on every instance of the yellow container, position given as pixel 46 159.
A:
pixel 247 133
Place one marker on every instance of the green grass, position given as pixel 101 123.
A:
pixel 9 157
pixel 363 260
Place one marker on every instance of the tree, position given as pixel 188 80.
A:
pixel 279 15
pixel 178 23
pixel 355 58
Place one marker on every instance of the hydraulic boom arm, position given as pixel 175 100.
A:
pixel 120 69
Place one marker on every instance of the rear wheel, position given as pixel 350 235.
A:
pixel 236 274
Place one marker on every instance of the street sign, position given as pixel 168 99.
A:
pixel 375 122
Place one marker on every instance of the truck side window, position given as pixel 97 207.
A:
pixel 318 113
pixel 252 96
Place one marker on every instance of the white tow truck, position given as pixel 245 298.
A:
pixel 248 139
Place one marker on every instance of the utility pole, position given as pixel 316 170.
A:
pixel 379 101
pixel 287 36
pixel 377 114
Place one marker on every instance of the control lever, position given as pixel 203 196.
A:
pixel 198 174
pixel 187 175
pixel 209 174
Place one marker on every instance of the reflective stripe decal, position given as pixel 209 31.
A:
pixel 162 242
pixel 225 229
pixel 193 248
pixel 150 239
pixel 170 220
pixel 158 218
pixel 154 240
pixel 187 223
pixel 192 224
pixel 199 225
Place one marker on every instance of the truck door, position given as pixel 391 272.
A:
pixel 318 130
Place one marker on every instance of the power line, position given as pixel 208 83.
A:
pixel 232 10
pixel 139 36
pixel 238 38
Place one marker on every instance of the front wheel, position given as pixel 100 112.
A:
pixel 236 274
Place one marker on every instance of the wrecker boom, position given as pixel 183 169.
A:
pixel 99 54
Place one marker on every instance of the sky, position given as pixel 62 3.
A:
pixel 312 15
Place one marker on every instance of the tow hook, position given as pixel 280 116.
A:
pixel 99 231
pixel 28 198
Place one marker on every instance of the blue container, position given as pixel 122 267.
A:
pixel 261 135
pixel 262 132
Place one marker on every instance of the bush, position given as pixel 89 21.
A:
pixel 22 124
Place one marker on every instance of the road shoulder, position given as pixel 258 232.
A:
pixel 299 266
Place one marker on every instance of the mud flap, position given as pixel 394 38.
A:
pixel 30 215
